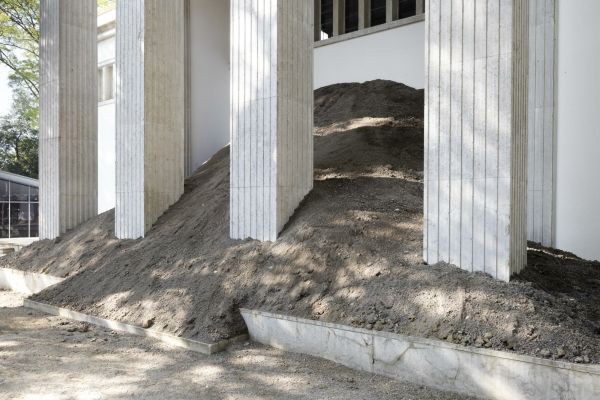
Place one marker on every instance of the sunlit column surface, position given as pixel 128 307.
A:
pixel 476 134
pixel 150 107
pixel 272 114
pixel 68 115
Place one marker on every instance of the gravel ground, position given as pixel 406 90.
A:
pixel 48 357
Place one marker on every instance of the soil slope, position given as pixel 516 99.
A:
pixel 351 254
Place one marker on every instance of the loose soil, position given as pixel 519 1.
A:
pixel 48 357
pixel 351 254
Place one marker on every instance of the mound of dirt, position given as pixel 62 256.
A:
pixel 351 254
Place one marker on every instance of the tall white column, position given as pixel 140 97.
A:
pixel 391 10
pixel 272 114
pixel 540 198
pixel 68 115
pixel 476 134
pixel 150 107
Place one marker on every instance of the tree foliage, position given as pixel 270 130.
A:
pixel 18 146
pixel 19 43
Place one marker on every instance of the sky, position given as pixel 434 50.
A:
pixel 5 92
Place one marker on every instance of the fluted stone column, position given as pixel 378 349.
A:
pixel 272 114
pixel 476 134
pixel 68 115
pixel 540 198
pixel 150 112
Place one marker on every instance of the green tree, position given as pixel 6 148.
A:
pixel 19 51
pixel 18 145
pixel 19 43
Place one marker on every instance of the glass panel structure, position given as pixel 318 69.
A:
pixel 407 8
pixel 19 220
pixel 4 190
pixel 4 221
pixel 326 19
pixel 378 12
pixel 351 17
pixel 34 220
pixel 19 210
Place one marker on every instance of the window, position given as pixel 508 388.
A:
pixel 326 19
pixel 378 12
pixel 106 79
pixel 407 8
pixel 351 16
pixel 19 210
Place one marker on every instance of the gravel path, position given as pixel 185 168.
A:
pixel 48 357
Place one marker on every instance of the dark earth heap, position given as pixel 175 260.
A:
pixel 351 254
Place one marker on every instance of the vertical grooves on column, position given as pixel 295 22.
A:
pixel 426 135
pixel 271 135
pixel 467 138
pixel 130 106
pixel 541 121
pixel 456 82
pixel 476 118
pixel 188 163
pixel 520 63
pixel 68 115
pixel 150 112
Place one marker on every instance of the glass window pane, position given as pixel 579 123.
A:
pixel 378 11
pixel 4 216
pixel 407 8
pixel 34 194
pixel 351 16
pixel 19 220
pixel 34 215
pixel 326 19
pixel 19 192
pixel 3 190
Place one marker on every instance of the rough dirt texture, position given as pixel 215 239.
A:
pixel 48 357
pixel 351 254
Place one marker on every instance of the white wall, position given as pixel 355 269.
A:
pixel 396 54
pixel 106 137
pixel 577 212
pixel 210 54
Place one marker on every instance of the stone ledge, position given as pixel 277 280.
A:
pixel 204 348
pixel 26 282
pixel 469 371
pixel 369 31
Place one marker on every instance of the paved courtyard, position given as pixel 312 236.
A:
pixel 48 357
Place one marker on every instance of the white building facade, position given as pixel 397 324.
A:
pixel 511 111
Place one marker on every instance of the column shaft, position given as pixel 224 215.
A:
pixel 364 14
pixel 339 17
pixel 476 134
pixel 271 134
pixel 150 112
pixel 540 197
pixel 68 115
pixel 391 12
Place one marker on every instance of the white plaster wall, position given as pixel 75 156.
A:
pixel 106 156
pixel 396 54
pixel 106 137
pixel 210 52
pixel 106 50
pixel 577 193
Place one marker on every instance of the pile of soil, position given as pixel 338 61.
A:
pixel 351 254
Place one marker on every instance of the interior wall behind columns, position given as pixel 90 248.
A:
pixel 209 76
pixel 577 183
